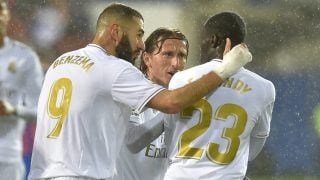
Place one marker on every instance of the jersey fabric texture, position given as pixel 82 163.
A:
pixel 210 140
pixel 150 162
pixel 21 78
pixel 84 107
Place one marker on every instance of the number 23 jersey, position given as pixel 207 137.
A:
pixel 210 139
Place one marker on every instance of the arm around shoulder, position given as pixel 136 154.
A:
pixel 173 101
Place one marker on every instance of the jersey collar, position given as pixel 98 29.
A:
pixel 99 47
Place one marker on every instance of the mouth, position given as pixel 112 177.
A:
pixel 171 73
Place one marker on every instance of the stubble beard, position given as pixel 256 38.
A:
pixel 124 50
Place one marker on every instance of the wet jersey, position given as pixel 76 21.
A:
pixel 210 139
pixel 83 111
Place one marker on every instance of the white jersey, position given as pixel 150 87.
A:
pixel 210 140
pixel 21 78
pixel 83 111
pixel 150 163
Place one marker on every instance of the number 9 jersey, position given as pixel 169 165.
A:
pixel 211 139
pixel 83 111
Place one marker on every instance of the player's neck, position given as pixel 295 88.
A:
pixel 107 44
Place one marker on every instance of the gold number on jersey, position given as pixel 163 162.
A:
pixel 212 150
pixel 185 151
pixel 58 104
pixel 231 134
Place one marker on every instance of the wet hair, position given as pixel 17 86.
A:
pixel 156 40
pixel 117 11
pixel 226 25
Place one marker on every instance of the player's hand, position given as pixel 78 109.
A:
pixel 6 108
pixel 233 60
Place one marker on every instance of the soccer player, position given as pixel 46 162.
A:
pixel 21 78
pixel 165 53
pixel 88 95
pixel 215 137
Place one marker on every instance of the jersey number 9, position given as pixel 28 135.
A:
pixel 59 103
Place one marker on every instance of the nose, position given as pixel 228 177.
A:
pixel 177 63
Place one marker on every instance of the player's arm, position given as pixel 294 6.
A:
pixel 138 136
pixel 256 145
pixel 173 101
pixel 261 130
pixel 27 107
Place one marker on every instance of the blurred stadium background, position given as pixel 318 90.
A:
pixel 283 36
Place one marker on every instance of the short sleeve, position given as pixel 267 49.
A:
pixel 133 89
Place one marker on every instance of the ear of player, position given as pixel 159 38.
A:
pixel 233 61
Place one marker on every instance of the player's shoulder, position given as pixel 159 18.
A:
pixel 119 66
pixel 23 52
pixel 20 46
pixel 97 53
pixel 255 77
pixel 101 60
pixel 260 82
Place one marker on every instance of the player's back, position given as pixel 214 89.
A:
pixel 211 138
pixel 76 112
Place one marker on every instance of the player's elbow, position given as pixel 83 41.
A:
pixel 167 101
pixel 174 106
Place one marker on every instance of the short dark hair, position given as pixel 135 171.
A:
pixel 117 10
pixel 227 25
pixel 156 40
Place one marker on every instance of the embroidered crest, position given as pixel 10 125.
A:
pixel 12 67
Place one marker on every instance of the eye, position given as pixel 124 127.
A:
pixel 140 35
pixel 167 54
pixel 183 57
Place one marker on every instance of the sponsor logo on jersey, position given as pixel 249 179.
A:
pixel 12 67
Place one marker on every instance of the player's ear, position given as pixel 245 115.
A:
pixel 116 33
pixel 214 41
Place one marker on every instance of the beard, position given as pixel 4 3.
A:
pixel 124 50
